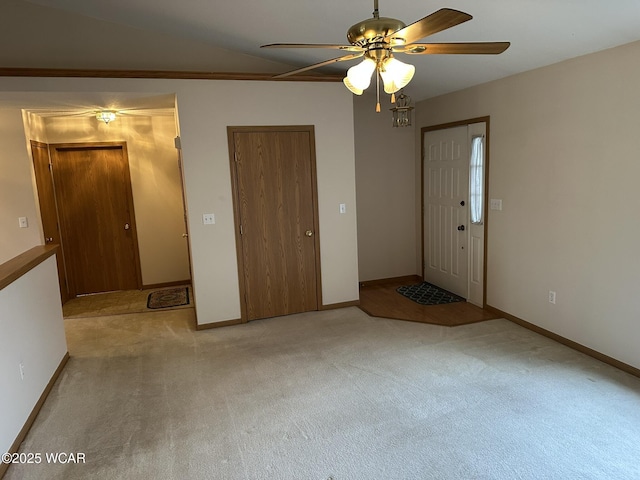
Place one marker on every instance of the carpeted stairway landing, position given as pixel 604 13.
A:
pixel 332 395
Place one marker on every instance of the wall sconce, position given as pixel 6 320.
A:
pixel 402 111
pixel 106 116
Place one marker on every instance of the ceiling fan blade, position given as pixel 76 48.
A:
pixel 348 48
pixel 434 23
pixel 321 64
pixel 472 48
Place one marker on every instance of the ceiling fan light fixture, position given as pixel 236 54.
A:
pixel 106 116
pixel 379 38
pixel 396 74
pixel 359 76
pixel 351 87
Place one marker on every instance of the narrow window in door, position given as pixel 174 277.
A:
pixel 476 180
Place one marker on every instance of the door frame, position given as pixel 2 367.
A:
pixel 49 216
pixel 231 130
pixel 444 126
pixel 183 193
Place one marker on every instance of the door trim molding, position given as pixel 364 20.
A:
pixel 444 126
pixel 231 130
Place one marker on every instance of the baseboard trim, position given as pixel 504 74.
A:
pixel 382 281
pixel 34 413
pixel 565 341
pixel 333 306
pixel 166 284
pixel 226 323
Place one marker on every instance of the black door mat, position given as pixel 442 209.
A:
pixel 427 294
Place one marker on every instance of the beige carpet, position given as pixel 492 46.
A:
pixel 332 395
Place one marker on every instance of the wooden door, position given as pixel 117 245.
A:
pixel 48 213
pixel 446 198
pixel 95 208
pixel 276 215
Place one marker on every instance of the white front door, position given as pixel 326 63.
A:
pixel 446 198
pixel 454 239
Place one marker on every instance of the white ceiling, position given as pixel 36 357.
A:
pixel 541 32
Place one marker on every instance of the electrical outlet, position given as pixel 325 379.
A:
pixel 552 297
pixel 208 218
pixel 495 204
pixel 21 367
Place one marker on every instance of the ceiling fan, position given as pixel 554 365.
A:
pixel 377 39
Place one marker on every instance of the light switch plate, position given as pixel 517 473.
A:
pixel 208 218
pixel 343 208
pixel 496 204
pixel 23 222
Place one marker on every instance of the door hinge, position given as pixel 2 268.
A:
pixel 177 143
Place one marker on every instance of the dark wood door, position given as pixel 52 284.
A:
pixel 47 202
pixel 95 208
pixel 276 213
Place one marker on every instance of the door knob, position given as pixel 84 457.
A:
pixel 462 203
pixel 309 233
pixel 461 228
pixel 185 235
pixel 127 226
pixel 48 240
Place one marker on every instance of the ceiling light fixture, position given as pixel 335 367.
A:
pixel 106 116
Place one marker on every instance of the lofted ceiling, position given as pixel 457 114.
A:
pixel 541 32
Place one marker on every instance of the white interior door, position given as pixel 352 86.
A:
pixel 446 192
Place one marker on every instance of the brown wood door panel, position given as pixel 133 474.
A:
pixel 47 203
pixel 93 190
pixel 276 206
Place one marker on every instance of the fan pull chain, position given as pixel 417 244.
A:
pixel 378 92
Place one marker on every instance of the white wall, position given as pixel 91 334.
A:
pixel 16 188
pixel 564 160
pixel 205 109
pixel 32 334
pixel 385 162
